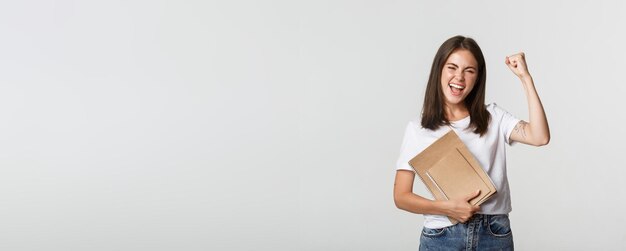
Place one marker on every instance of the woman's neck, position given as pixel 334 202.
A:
pixel 455 112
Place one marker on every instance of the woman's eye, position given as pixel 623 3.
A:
pixel 450 67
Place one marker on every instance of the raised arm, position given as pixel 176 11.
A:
pixel 536 131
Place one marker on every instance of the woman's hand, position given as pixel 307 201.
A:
pixel 460 209
pixel 517 64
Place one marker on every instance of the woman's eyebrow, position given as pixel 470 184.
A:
pixel 469 67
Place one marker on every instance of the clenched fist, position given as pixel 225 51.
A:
pixel 517 64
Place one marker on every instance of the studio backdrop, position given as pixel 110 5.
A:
pixel 276 125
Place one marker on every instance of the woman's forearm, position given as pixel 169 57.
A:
pixel 458 209
pixel 417 204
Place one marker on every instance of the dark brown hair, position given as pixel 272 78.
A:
pixel 433 115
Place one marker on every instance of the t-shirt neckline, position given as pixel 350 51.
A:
pixel 460 120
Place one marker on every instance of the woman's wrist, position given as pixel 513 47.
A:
pixel 527 81
pixel 442 207
pixel 526 77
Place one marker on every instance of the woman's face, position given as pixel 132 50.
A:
pixel 458 76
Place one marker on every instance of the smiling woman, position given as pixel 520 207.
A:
pixel 455 100
pixel 459 74
pixel 459 66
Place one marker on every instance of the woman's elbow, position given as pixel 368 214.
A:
pixel 546 140
pixel 542 141
pixel 398 200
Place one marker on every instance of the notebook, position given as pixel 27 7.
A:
pixel 450 171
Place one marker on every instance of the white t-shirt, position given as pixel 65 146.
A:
pixel 489 150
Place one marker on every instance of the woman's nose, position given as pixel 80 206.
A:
pixel 459 77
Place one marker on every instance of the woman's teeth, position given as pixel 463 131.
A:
pixel 457 86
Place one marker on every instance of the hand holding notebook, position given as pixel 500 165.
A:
pixel 460 209
pixel 451 172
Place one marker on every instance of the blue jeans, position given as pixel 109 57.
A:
pixel 481 232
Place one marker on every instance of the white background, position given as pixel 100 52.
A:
pixel 275 125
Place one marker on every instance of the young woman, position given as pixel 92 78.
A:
pixel 455 100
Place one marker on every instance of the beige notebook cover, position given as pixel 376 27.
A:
pixel 450 171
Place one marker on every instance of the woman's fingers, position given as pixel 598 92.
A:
pixel 517 64
pixel 518 55
pixel 511 64
pixel 472 195
pixel 517 59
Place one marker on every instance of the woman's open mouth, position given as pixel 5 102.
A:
pixel 456 89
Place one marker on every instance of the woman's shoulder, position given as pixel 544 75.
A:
pixel 494 109
pixel 415 125
pixel 491 106
pixel 416 122
pixel 499 114
pixel 416 130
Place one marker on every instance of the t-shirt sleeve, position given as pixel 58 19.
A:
pixel 407 149
pixel 507 123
